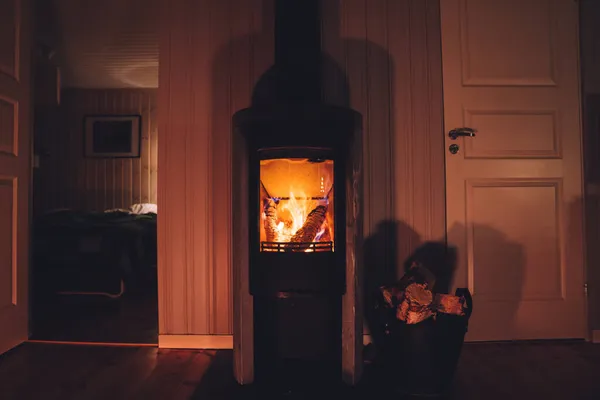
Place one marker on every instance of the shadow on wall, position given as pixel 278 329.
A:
pixel 501 260
pixel 389 244
pixel 236 84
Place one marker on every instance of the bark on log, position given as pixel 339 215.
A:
pixel 311 226
pixel 271 221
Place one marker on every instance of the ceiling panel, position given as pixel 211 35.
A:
pixel 103 44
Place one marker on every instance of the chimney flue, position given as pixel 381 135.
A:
pixel 298 48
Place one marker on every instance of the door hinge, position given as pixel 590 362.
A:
pixel 585 289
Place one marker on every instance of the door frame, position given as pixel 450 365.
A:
pixel 591 147
pixel 21 81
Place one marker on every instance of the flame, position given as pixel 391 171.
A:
pixel 321 232
pixel 291 216
pixel 291 189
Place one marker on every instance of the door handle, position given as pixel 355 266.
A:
pixel 458 132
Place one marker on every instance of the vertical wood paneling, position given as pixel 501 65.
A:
pixel 164 283
pixel 380 135
pixel 353 34
pixel 68 180
pixel 419 182
pixel 199 277
pixel 174 216
pixel 233 90
pixel 223 76
pixel 212 53
pixel 390 53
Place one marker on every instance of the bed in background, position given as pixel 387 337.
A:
pixel 94 253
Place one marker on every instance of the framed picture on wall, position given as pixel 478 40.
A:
pixel 112 136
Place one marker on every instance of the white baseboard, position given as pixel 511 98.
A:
pixel 225 342
pixel 216 342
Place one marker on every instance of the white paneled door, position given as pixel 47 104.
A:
pixel 15 169
pixel 514 190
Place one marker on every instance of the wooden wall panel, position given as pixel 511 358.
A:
pixel 390 53
pixel 387 53
pixel 66 179
pixel 211 55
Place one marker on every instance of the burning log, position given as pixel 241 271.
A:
pixel 271 221
pixel 312 226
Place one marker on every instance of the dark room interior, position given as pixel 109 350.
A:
pixel 358 199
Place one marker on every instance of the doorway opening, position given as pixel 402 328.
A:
pixel 93 271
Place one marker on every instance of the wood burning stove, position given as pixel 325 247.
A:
pixel 301 161
pixel 299 168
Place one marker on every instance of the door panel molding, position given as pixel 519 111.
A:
pixel 9 126
pixel 476 35
pixel 15 169
pixel 10 35
pixel 514 190
pixel 505 133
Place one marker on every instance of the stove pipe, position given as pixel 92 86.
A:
pixel 298 51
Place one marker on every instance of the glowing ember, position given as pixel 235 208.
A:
pixel 296 220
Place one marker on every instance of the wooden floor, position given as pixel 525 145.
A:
pixel 544 371
pixel 132 318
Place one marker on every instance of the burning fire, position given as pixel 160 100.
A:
pixel 299 220
pixel 291 216
pixel 296 216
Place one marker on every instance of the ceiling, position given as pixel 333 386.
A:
pixel 101 44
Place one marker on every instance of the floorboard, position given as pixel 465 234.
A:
pixel 486 371
pixel 132 318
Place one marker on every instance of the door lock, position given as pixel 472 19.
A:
pixel 458 132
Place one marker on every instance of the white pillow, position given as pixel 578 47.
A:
pixel 144 208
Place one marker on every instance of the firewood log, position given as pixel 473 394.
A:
pixel 311 226
pixel 271 221
pixel 449 304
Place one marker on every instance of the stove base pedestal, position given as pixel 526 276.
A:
pixel 298 341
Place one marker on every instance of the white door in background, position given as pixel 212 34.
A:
pixel 514 191
pixel 15 169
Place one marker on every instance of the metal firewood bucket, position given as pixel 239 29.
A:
pixel 421 359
